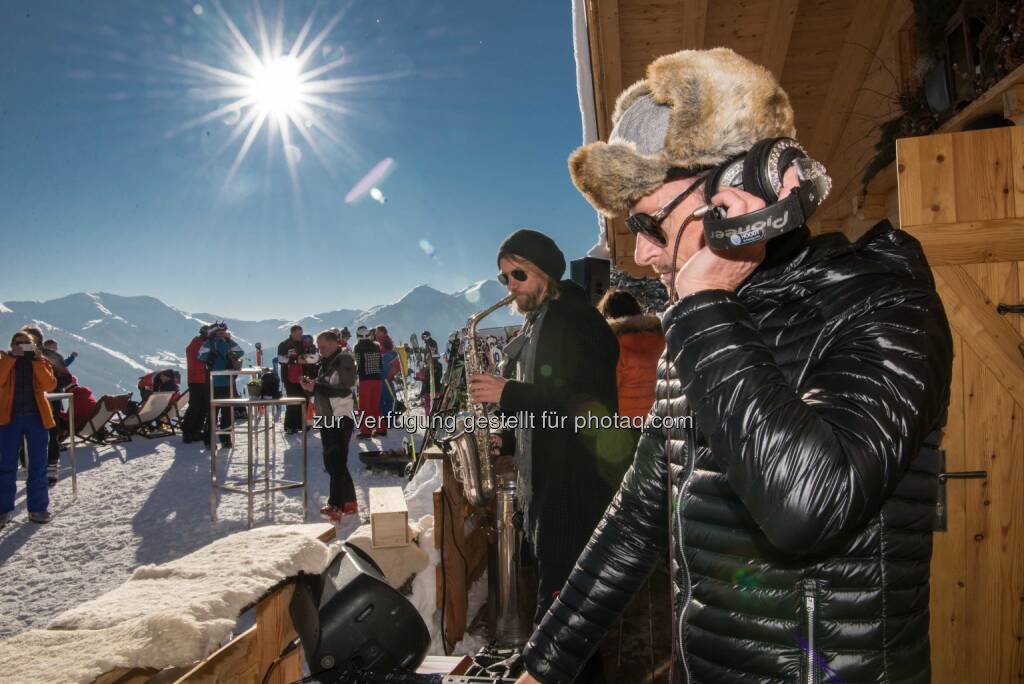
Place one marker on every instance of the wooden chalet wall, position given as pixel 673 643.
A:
pixel 962 196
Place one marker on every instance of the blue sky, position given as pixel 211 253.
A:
pixel 103 188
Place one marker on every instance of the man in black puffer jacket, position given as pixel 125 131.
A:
pixel 816 372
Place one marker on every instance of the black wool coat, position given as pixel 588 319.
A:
pixel 574 473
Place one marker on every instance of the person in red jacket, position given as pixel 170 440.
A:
pixel 84 403
pixel 641 343
pixel 193 425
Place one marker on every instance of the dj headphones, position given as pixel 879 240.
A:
pixel 760 172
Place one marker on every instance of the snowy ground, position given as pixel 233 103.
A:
pixel 148 501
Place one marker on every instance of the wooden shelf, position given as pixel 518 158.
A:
pixel 991 101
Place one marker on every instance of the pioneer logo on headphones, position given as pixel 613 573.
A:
pixel 752 232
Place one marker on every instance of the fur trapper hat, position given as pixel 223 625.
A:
pixel 696 109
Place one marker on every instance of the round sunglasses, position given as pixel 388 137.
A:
pixel 649 225
pixel 517 273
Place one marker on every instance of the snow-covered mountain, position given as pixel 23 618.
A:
pixel 120 338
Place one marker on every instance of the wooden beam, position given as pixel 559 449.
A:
pixel 124 675
pixel 234 660
pixel 274 631
pixel 695 22
pixel 971 242
pixel 606 70
pixel 777 32
pixel 605 59
pixel 990 335
pixel 859 48
pixel 991 101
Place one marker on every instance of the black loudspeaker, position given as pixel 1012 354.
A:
pixel 350 619
pixel 592 275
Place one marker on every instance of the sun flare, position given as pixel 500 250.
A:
pixel 291 89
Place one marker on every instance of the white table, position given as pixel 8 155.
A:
pixel 61 396
pixel 252 449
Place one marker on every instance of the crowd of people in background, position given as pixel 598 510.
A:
pixel 337 377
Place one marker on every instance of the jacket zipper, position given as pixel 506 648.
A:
pixel 810 594
pixel 691 457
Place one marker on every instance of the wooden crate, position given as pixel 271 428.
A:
pixel 389 517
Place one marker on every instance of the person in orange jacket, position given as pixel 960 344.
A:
pixel 25 414
pixel 641 343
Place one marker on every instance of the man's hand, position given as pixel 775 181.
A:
pixel 526 678
pixel 485 388
pixel 307 384
pixel 726 270
pixel 74 355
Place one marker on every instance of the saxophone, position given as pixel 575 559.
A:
pixel 471 446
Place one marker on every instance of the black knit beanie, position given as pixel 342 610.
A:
pixel 538 248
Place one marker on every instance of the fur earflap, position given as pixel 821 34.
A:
pixel 612 177
pixel 719 103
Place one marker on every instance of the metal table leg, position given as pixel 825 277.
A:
pixel 249 461
pixel 71 448
pixel 213 457
pixel 266 457
pixel 305 478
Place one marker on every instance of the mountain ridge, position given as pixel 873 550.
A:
pixel 120 337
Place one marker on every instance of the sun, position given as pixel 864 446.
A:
pixel 276 86
pixel 294 93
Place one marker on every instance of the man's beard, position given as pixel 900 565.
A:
pixel 526 303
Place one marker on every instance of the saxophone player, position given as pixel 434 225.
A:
pixel 564 366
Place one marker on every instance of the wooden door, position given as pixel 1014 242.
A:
pixel 962 195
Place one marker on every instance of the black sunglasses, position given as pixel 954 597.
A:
pixel 517 273
pixel 650 224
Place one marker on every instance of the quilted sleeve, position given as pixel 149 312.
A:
pixel 615 563
pixel 814 461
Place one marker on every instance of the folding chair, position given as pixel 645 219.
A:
pixel 177 412
pixel 106 409
pixel 151 420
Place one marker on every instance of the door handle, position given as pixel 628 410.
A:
pixel 1004 309
pixel 964 475
pixel 941 509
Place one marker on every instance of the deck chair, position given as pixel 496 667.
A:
pixel 151 420
pixel 106 409
pixel 177 412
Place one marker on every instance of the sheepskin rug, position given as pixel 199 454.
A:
pixel 167 615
